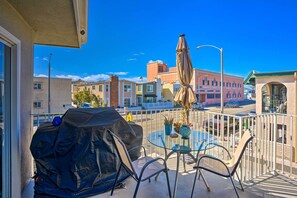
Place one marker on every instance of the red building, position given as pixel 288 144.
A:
pixel 206 84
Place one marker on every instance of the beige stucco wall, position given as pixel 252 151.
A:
pixel 11 21
pixel 60 95
pixel 291 84
pixel 167 92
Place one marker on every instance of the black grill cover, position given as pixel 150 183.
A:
pixel 77 158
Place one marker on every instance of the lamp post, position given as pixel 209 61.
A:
pixel 49 84
pixel 222 72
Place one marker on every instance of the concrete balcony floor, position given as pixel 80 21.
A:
pixel 265 186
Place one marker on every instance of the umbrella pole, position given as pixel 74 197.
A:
pixel 187 113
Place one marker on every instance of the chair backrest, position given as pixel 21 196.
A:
pixel 243 143
pixel 122 152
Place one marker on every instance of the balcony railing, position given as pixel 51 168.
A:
pixel 270 151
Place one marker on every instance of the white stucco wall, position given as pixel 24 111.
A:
pixel 60 95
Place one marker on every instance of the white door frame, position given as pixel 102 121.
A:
pixel 11 144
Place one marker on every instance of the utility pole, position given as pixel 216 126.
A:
pixel 49 84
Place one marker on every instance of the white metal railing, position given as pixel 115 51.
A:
pixel 271 150
pixel 158 105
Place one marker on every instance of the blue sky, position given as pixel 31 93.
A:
pixel 123 36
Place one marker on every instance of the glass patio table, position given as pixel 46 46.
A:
pixel 181 146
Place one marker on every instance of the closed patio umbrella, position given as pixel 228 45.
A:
pixel 185 95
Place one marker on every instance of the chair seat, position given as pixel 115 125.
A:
pixel 150 170
pixel 215 166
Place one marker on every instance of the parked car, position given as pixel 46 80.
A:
pixel 85 105
pixel 252 113
pixel 232 104
pixel 198 105
pixel 215 123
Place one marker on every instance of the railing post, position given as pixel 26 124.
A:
pixel 274 143
pixel 291 153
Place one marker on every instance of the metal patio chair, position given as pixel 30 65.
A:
pixel 141 169
pixel 224 168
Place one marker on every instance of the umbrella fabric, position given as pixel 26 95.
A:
pixel 185 95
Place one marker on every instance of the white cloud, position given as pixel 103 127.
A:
pixel 73 77
pixel 136 79
pixel 90 78
pixel 118 73
pixel 158 61
pixel 45 58
pixel 138 54
pixel 96 77
pixel 40 75
pixel 131 59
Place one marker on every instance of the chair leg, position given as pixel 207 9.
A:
pixel 115 181
pixel 234 186
pixel 204 180
pixel 136 189
pixel 239 181
pixel 194 182
pixel 168 184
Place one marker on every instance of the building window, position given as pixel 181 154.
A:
pixel 218 95
pixel 37 86
pixel 228 95
pixel 209 90
pixel 139 100
pixel 149 88
pixel 127 102
pixel 100 88
pixel 239 95
pixel 37 105
pixel 139 88
pixel 210 96
pixel 234 95
pixel 127 88
pixel 149 99
pixel 106 88
pixel 223 84
pixel 93 87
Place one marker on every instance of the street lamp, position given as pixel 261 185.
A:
pixel 222 72
pixel 49 84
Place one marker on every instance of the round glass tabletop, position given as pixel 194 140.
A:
pixel 193 143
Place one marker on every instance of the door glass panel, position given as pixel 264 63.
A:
pixel 4 63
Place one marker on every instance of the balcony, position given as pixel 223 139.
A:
pixel 268 167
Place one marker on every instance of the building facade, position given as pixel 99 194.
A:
pixel 60 95
pixel 114 92
pixel 206 84
pixel 100 89
pixel 276 92
pixel 149 92
pixel 169 91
